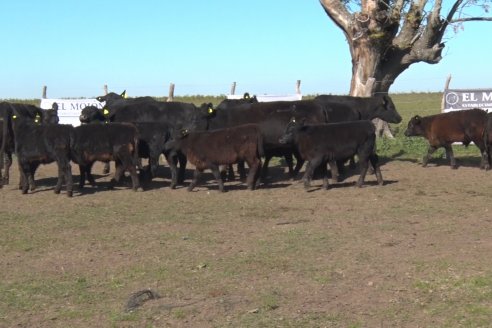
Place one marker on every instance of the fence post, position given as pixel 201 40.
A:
pixel 171 92
pixel 446 86
pixel 105 88
pixel 233 88
pixel 44 92
pixel 298 87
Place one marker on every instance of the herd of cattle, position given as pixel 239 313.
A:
pixel 328 130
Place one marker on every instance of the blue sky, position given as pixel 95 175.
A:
pixel 75 47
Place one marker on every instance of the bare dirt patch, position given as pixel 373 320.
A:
pixel 412 253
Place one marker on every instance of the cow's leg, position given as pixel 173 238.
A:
pixel 241 170
pixel 264 168
pixel 335 175
pixel 299 164
pixel 311 166
pixel 426 158
pixel 324 171
pixel 32 171
pixel 24 170
pixel 106 168
pixel 364 165
pixel 182 167
pixel 377 170
pixel 68 178
pixel 254 168
pixel 218 179
pixel 90 177
pixel 8 164
pixel 450 155
pixel 171 161
pixel 154 163
pixel 290 164
pixel 230 172
pixel 2 166
pixel 196 175
pixel 82 170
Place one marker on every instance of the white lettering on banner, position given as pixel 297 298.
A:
pixel 469 96
pixel 69 109
pixel 486 96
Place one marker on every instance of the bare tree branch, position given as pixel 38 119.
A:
pixel 336 10
pixel 470 19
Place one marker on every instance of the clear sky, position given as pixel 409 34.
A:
pixel 75 47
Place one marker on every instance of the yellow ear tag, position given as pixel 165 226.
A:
pixel 105 111
pixel 14 116
pixel 210 110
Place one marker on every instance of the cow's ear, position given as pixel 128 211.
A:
pixel 105 112
pixel 54 107
pixel 123 94
pixel 293 120
pixel 246 95
pixel 184 132
pixel 417 119
pixel 210 108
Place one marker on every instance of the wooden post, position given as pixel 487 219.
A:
pixel 233 88
pixel 171 92
pixel 298 87
pixel 105 88
pixel 446 86
pixel 44 91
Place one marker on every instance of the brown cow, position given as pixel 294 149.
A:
pixel 209 149
pixel 441 130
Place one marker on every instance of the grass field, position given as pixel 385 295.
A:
pixel 412 253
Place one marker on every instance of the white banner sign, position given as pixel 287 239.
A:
pixel 69 109
pixel 270 98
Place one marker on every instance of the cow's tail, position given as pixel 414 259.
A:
pixel 136 160
pixel 485 138
pixel 261 151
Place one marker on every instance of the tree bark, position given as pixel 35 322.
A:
pixel 385 38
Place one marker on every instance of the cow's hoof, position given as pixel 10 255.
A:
pixel 189 189
pixel 69 193
pixel 57 191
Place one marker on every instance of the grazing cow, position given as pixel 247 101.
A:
pixel 37 144
pixel 322 143
pixel 441 130
pixel 348 108
pixel 106 142
pixel 209 149
pixel 26 112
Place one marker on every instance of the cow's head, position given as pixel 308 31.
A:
pixel 386 110
pixel 415 127
pixel 290 129
pixel 112 96
pixel 91 114
pixel 50 116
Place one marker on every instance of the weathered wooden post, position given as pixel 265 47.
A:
pixel 446 86
pixel 44 92
pixel 105 88
pixel 233 88
pixel 171 92
pixel 298 87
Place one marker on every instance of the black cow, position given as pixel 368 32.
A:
pixel 235 103
pixel 272 118
pixel 322 143
pixel 25 112
pixel 106 142
pixel 209 149
pixel 348 108
pixel 441 130
pixel 37 144
pixel 152 138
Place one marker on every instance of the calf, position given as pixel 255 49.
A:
pixel 152 137
pixel 106 142
pixel 322 143
pixel 441 130
pixel 209 149
pixel 37 144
